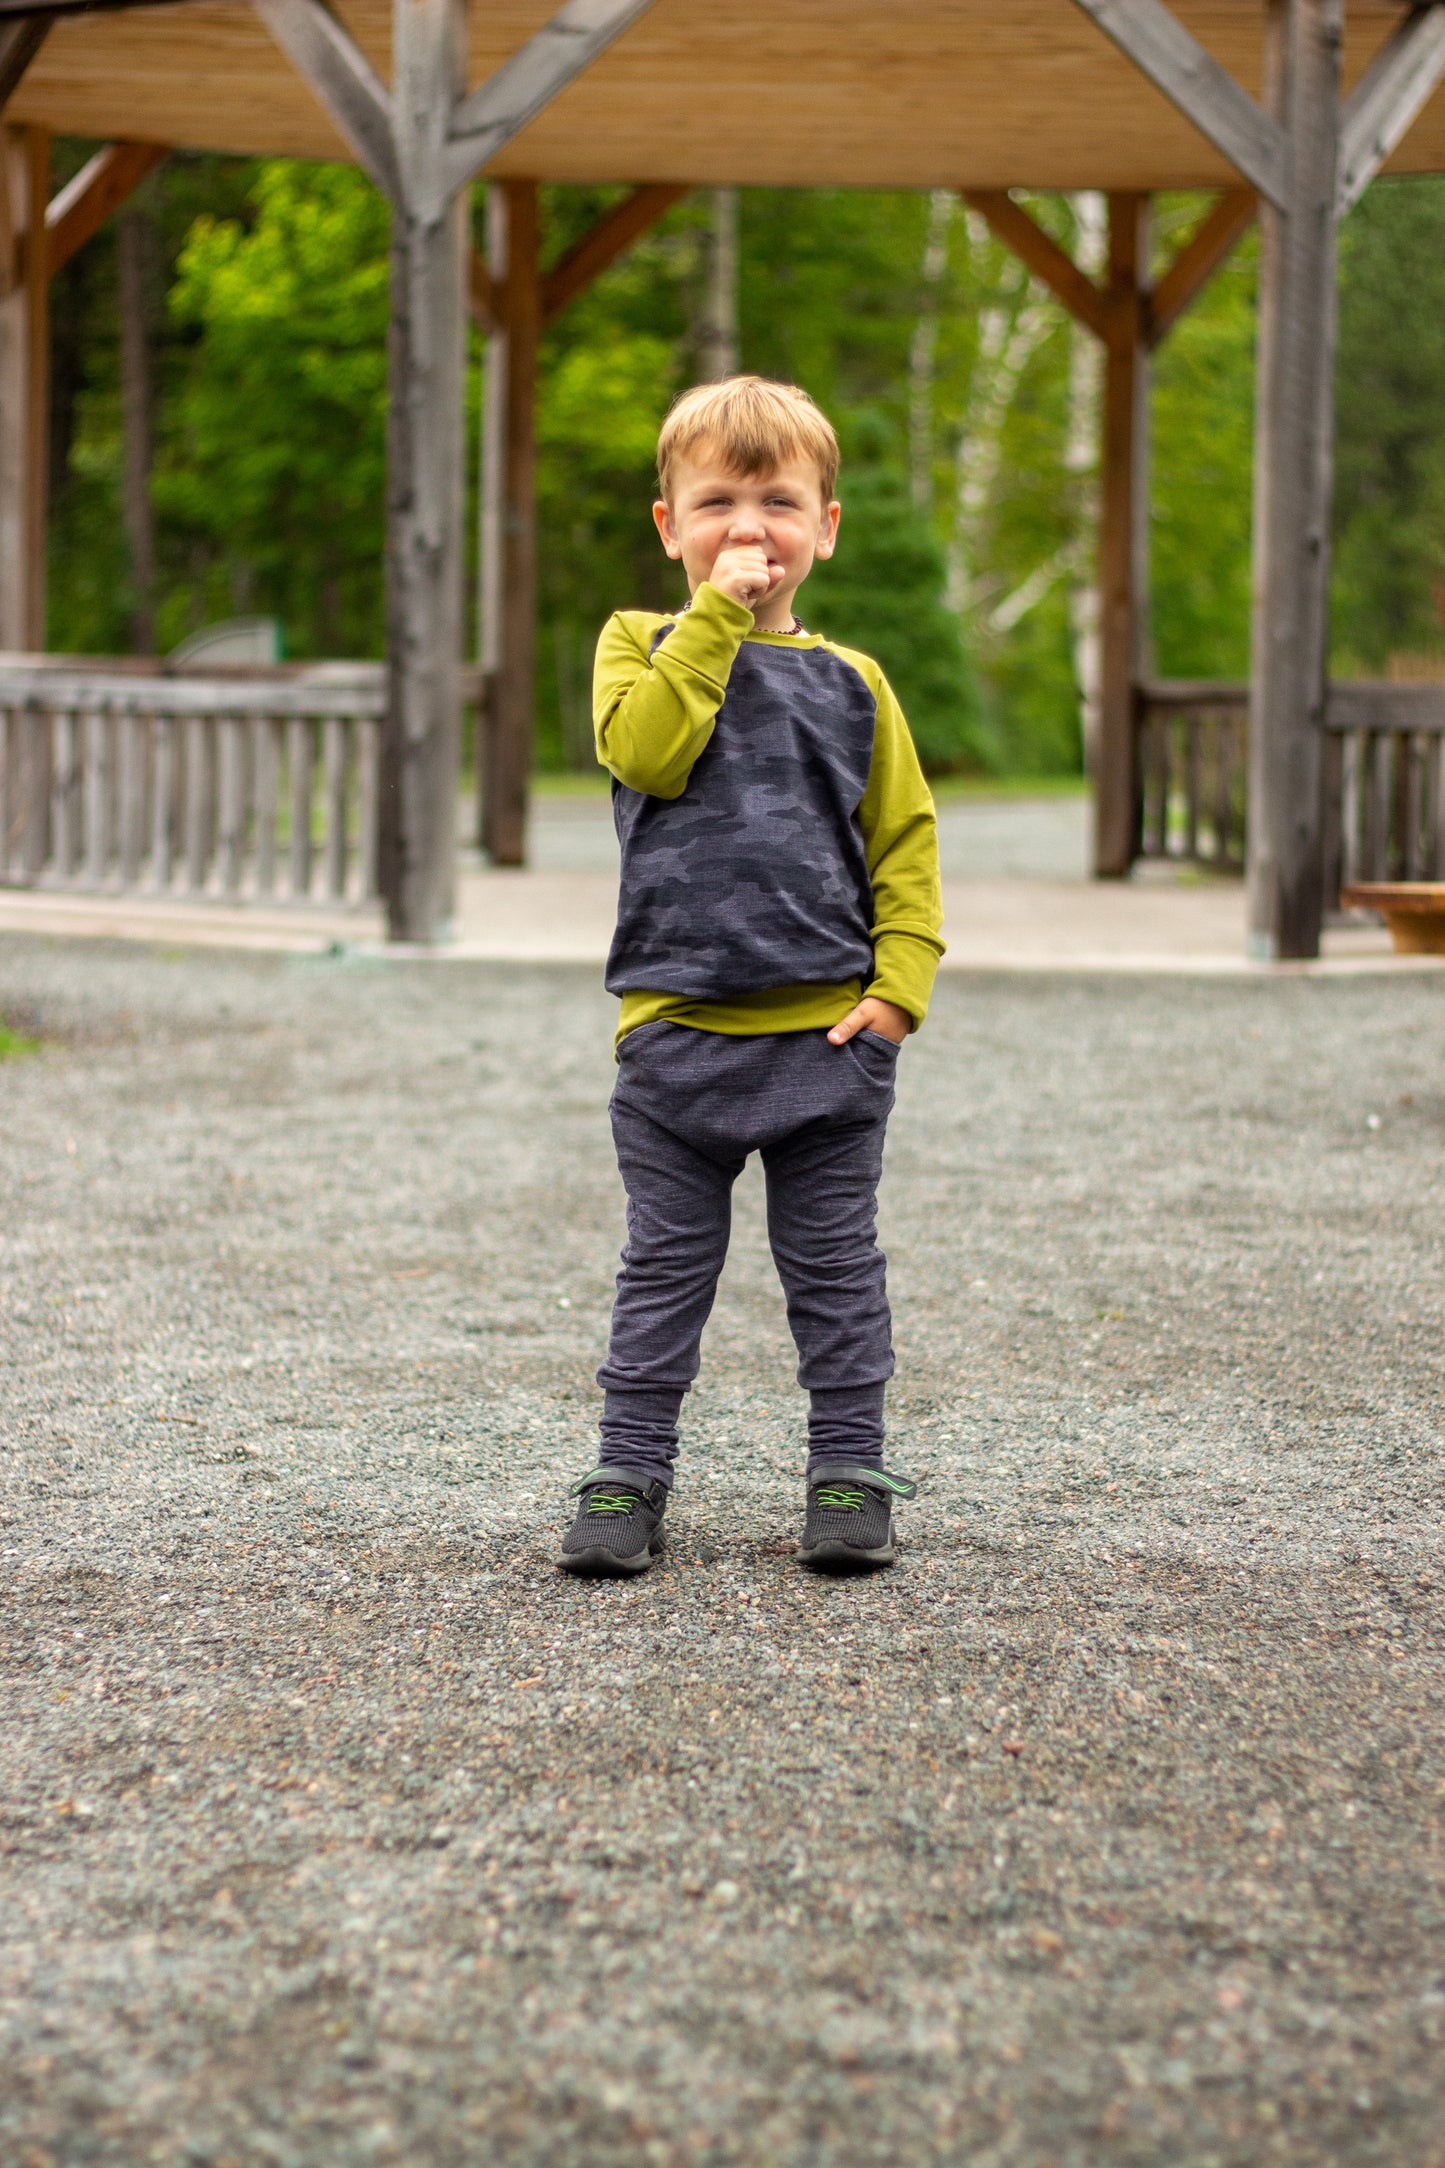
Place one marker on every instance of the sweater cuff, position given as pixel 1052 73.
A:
pixel 904 968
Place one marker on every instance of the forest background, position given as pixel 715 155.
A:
pixel 218 422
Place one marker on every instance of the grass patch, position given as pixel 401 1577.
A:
pixel 14 1043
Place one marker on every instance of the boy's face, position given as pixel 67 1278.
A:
pixel 772 525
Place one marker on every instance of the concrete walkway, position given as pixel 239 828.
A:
pixel 1016 897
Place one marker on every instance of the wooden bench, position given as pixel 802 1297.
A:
pixel 1414 911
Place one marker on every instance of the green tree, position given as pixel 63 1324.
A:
pixel 1389 565
pixel 883 592
pixel 272 475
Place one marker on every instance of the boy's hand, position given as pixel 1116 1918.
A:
pixel 871 1014
pixel 743 573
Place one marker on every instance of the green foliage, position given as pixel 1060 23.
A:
pixel 1203 437
pixel 963 397
pixel 883 592
pixel 1389 566
pixel 275 457
pixel 14 1043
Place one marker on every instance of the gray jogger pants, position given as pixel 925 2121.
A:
pixel 688 1108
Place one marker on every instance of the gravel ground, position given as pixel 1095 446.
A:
pixel 339 1828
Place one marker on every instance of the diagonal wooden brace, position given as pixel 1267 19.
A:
pixel 516 93
pixel 20 40
pixel 1206 94
pixel 324 53
pixel 1042 255
pixel 1388 97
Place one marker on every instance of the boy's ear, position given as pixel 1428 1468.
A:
pixel 662 520
pixel 827 540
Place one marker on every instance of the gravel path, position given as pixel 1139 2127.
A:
pixel 338 1828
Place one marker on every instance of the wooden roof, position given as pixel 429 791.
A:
pixel 866 93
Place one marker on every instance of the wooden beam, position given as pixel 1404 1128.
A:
pixel 484 295
pixel 51 8
pixel 586 260
pixel 24 400
pixel 343 81
pixel 20 40
pixel 99 189
pixel 512 639
pixel 1388 96
pixel 1292 475
pixel 1190 77
pixel 515 93
pixel 1201 256
pixel 1123 541
pixel 610 238
pixel 1043 256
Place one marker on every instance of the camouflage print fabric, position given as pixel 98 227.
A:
pixel 757 875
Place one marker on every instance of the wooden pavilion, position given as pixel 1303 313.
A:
pixel 1287 108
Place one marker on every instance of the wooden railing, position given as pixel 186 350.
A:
pixel 1192 770
pixel 1384 784
pixel 245 786
pixel 1384 778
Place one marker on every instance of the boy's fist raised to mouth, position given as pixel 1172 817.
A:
pixel 743 573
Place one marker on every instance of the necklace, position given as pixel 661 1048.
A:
pixel 796 631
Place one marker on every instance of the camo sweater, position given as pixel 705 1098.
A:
pixel 779 848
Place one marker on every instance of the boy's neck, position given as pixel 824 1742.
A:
pixel 775 614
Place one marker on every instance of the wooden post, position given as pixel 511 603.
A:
pixel 25 395
pixel 1293 472
pixel 491 506
pixel 510 491
pixel 1123 537
pixel 421 745
pixel 718 341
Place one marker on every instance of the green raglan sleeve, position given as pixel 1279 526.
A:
pixel 900 834
pixel 654 713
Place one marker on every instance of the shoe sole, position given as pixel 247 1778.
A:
pixel 604 1565
pixel 835 1557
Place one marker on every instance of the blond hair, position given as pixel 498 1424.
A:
pixel 752 425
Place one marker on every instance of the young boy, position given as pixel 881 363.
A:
pixel 778 930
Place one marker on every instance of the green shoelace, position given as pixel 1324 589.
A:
pixel 838 1498
pixel 602 1501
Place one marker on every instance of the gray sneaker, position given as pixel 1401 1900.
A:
pixel 849 1523
pixel 618 1528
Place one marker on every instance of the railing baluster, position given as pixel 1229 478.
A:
pixel 35 789
pixel 198 802
pixel 163 786
pixel 1413 750
pixel 300 742
pixel 1193 726
pixel 267 768
pixel 1332 838
pixel 231 764
pixel 1377 847
pixel 1223 787
pixel 1436 860
pixel 1351 763
pixel 97 796
pixel 369 806
pixel 131 796
pixel 64 778
pixel 335 776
